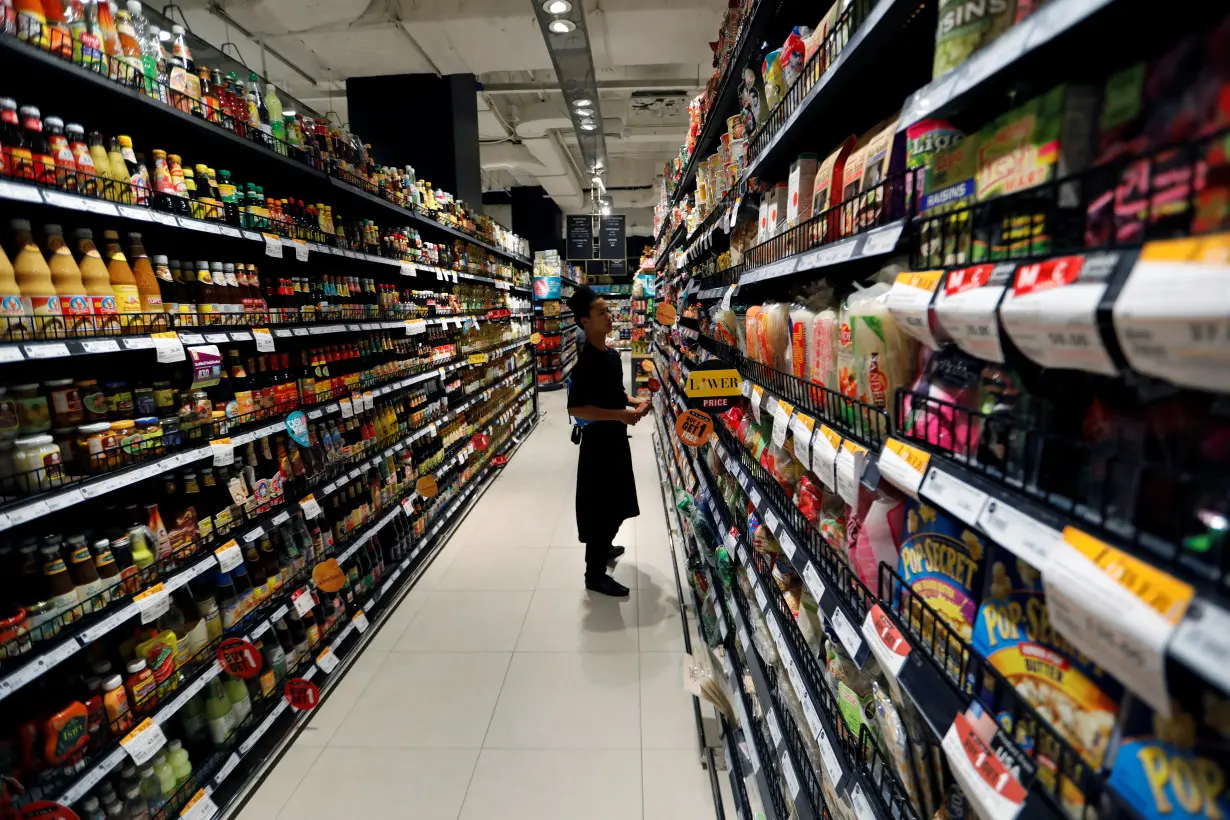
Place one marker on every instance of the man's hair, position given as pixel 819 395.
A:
pixel 580 302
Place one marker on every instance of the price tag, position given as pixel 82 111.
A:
pixel 954 495
pixel 310 507
pixel 909 301
pixel 757 400
pixel 154 603
pixel 987 782
pixel 19 192
pixel 100 346
pixel 966 308
pixel 302 599
pixel 47 351
pixel 787 544
pixel 347 409
pixel 273 245
pixel 1022 535
pixel 792 781
pixel 903 465
pixel 359 621
pixel 782 411
pixel 369 400
pixel 862 809
pixel 223 451
pixel 802 427
pixel 167 347
pixel 264 341
pixel 143 742
pixel 812 579
pixel 771 521
pixel 301 250
pixel 1050 312
pixel 885 642
pixel 200 807
pixel 1117 609
pixel 849 636
pixel 327 661
pixel 229 556
pixel 1172 317
pixel 849 470
pixel 764 602
pixel 824 447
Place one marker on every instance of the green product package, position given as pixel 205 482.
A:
pixel 947 188
pixel 965 26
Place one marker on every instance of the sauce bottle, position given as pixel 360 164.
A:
pixel 13 322
pixel 95 714
pixel 185 293
pixel 123 283
pixel 206 296
pixel 84 573
pixel 166 286
pixel 60 589
pixel 97 283
pixel 12 143
pixel 130 49
pixel 142 689
pixel 147 285
pixel 38 293
pixel 104 179
pixel 137 176
pixel 108 572
pixel 110 40
pixel 83 161
pixel 61 154
pixel 66 276
pixel 43 169
pixel 121 182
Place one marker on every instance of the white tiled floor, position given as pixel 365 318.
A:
pixel 501 688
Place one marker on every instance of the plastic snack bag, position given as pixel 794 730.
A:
pixel 774 83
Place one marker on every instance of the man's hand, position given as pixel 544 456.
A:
pixel 629 417
pixel 644 407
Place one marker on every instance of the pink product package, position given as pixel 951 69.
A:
pixel 878 536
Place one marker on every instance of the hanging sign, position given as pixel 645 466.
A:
pixel 535 338
pixel 694 427
pixel 302 694
pixel 239 658
pixel 481 441
pixel 499 461
pixel 328 576
pixel 713 385
pixel 296 428
pixel 426 486
pixel 647 365
pixel 654 385
pixel 206 366
pixel 666 314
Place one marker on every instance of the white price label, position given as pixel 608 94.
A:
pixel 143 742
pixel 1202 641
pixel 812 579
pixel 809 714
pixel 771 521
pixel 264 340
pixel 167 347
pixel 775 729
pixel 828 757
pixel 782 411
pixel 903 465
pixel 327 661
pixel 301 250
pixel 954 495
pixel 824 446
pixel 787 544
pixel 347 409
pixel 302 600
pixel 310 507
pixel 988 784
pixel 223 451
pixel 360 622
pixel 862 809
pixel 850 637
pixel 802 427
pixel 792 781
pixel 273 245
pixel 849 470
pixel 100 346
pixel 757 401
pixel 909 301
pixel 966 308
pixel 229 556
pixel 154 603
pixel 200 807
pixel 49 351
pixel 1022 535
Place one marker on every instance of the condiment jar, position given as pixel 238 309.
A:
pixel 125 432
pixel 36 463
pixel 33 412
pixel 143 401
pixel 14 636
pixel 97 450
pixel 93 400
pixel 119 400
pixel 9 425
pixel 172 438
pixel 65 439
pixel 164 399
pixel 41 622
pixel 66 408
pixel 150 433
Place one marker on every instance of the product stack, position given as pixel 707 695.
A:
pixel 233 426
pixel 553 322
pixel 958 539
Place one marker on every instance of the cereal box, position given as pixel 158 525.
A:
pixel 942 562
pixel 1014 633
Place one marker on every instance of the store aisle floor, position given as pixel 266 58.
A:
pixel 501 688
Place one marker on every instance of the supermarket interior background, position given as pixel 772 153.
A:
pixel 925 300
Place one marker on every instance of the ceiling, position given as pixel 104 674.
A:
pixel 651 57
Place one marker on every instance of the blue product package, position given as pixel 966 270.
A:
pixel 942 561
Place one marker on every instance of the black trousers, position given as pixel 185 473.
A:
pixel 597 550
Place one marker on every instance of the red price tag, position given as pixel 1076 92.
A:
pixel 1052 273
pixel 481 441
pixel 499 461
pixel 239 658
pixel 302 694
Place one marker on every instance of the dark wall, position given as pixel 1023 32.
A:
pixel 437 133
pixel 536 217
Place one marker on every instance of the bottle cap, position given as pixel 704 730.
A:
pixel 136 665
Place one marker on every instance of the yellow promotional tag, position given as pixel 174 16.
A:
pixel 923 280
pixel 912 456
pixel 833 437
pixel 1163 593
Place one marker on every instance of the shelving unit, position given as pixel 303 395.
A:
pixel 642 318
pixel 838 505
pixel 557 352
pixel 206 465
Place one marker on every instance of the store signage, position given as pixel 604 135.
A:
pixel 296 428
pixel 654 385
pixel 426 486
pixel 694 427
pixel 302 694
pixel 617 268
pixel 647 365
pixel 666 314
pixel 239 658
pixel 535 338
pixel 580 236
pixel 328 576
pixel 612 237
pixel 499 461
pixel 713 385
pixel 206 366
pixel 481 442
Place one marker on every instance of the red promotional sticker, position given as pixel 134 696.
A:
pixel 239 658
pixel 654 385
pixel 1052 273
pixel 499 461
pixel 46 810
pixel 965 279
pixel 481 441
pixel 302 694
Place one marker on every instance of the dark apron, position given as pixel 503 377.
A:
pixel 606 488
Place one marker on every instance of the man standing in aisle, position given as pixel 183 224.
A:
pixel 606 488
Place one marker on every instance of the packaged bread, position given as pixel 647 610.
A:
pixel 826 190
pixel 802 327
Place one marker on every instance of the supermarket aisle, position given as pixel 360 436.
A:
pixel 501 688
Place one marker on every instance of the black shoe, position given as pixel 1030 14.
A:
pixel 607 586
pixel 614 553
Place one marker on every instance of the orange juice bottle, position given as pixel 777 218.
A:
pixel 123 283
pixel 66 276
pixel 13 322
pixel 38 293
pixel 97 283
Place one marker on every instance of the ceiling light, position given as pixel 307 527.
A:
pixel 606 210
pixel 585 112
pixel 557 6
pixel 562 26
pixel 582 103
pixel 588 126
pixel 164 35
pixel 595 179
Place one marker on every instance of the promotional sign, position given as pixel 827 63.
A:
pixel 647 365
pixel 535 338
pixel 694 427
pixel 713 385
pixel 481 441
pixel 499 461
pixel 297 428
pixel 302 694
pixel 547 286
pixel 328 576
pixel 612 237
pixel 580 236
pixel 239 658
pixel 617 268
pixel 45 810
pixel 426 486
pixel 206 366
pixel 654 385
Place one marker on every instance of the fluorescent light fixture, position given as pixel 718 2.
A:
pixel 557 6
pixel 582 103
pixel 561 26
pixel 585 112
pixel 588 125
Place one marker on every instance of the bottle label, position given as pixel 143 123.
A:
pixel 127 298
pixel 103 305
pixel 11 306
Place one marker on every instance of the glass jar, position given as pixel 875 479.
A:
pixel 66 439
pixel 14 636
pixel 36 460
pixel 66 409
pixel 164 399
pixel 41 622
pixel 97 451
pixel 93 400
pixel 150 433
pixel 125 433
pixel 33 411
pixel 119 400
pixel 172 438
pixel 220 424
pixel 8 417
pixel 143 401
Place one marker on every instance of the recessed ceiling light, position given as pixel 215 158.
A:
pixel 562 26
pixel 585 112
pixel 588 126
pixel 582 103
pixel 557 6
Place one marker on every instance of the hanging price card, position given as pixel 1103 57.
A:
pixel 849 469
pixel 802 426
pixel 327 661
pixel 154 603
pixel 301 250
pixel 302 599
pixel 824 446
pixel 966 308
pixel 910 303
pixel 903 465
pixel 200 807
pixel 223 451
pixel 229 556
pixel 167 347
pixel 143 742
pixel 273 245
pixel 987 782
pixel 757 401
pixel 360 621
pixel 310 506
pixel 264 340
pixel 782 411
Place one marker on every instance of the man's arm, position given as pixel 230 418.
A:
pixel 588 412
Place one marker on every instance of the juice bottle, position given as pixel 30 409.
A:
pixel 122 181
pixel 147 286
pixel 218 712
pixel 74 303
pixel 110 39
pixel 162 183
pixel 181 766
pixel 123 283
pixel 97 283
pixel 60 39
pixel 83 162
pixel 39 299
pixel 180 54
pixel 166 776
pixel 89 35
pixel 13 322
pixel 277 125
pixel 130 50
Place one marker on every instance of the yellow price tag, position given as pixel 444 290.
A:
pixel 154 590
pixel 852 448
pixel 923 280
pixel 912 456
pixel 1163 593
pixel 833 437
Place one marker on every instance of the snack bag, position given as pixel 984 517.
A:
pixel 774 83
pixel 942 562
pixel 826 191
pixel 923 139
pixel 948 187
pixel 793 55
pixel 965 27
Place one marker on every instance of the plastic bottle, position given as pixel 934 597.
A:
pixel 149 57
pixel 218 712
pixel 241 701
pixel 66 276
pixel 115 702
pixel 192 718
pixel 277 125
pixel 147 285
pixel 142 689
pixel 121 179
pixel 90 810
pixel 13 324
pixel 136 806
pixel 38 292
pixel 181 55
pixel 166 776
pixel 181 766
pixel 123 284
pixel 110 39
pixel 97 283
pixel 151 790
pixel 115 810
pixel 133 74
